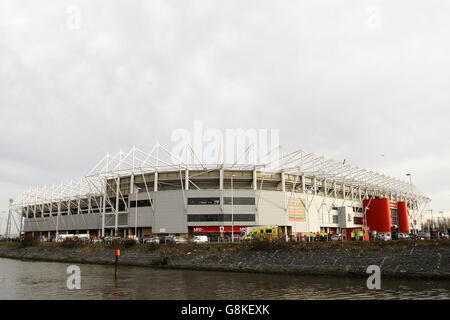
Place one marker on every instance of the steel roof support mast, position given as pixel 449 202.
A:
pixel 410 186
pixel 8 223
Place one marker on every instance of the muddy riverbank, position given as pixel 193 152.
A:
pixel 428 259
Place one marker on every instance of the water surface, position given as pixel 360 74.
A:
pixel 47 280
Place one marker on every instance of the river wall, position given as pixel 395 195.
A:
pixel 426 260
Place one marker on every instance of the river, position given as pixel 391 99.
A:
pixel 47 280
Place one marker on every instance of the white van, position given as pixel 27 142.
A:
pixel 200 239
pixel 62 237
pixel 82 236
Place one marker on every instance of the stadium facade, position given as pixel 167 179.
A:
pixel 151 194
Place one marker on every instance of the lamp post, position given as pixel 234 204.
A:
pixel 364 216
pixel 307 210
pixel 410 190
pixel 307 190
pixel 136 215
pixel 444 222
pixel 430 221
pixel 295 208
pixel 307 214
pixel 232 209
pixel 410 179
pixel 8 222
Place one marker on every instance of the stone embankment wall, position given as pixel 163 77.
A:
pixel 409 259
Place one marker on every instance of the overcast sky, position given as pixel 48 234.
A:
pixel 350 80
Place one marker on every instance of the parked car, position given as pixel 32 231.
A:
pixel 110 239
pixel 423 235
pixel 167 239
pixel 335 237
pixel 151 240
pixel 403 236
pixel 434 234
pixel 179 240
pixel 413 235
pixel 214 238
pixel 237 238
pixel 200 239
pixel 384 236
pixel 443 235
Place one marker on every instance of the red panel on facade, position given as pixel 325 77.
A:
pixel 403 221
pixel 378 214
pixel 216 229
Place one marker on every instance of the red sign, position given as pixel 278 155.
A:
pixel 117 252
pixel 217 229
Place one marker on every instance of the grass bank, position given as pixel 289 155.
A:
pixel 335 246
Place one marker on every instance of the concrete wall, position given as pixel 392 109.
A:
pixel 427 259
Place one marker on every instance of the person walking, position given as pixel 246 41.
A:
pixel 360 235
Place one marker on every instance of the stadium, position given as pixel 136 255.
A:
pixel 149 194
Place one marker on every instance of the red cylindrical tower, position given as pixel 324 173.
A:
pixel 378 214
pixel 403 221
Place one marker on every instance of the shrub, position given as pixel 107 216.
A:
pixel 149 246
pixel 129 243
pixel 71 243
pixel 29 242
pixel 266 245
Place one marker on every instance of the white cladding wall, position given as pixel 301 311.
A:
pixel 65 223
pixel 145 215
pixel 167 213
pixel 220 209
pixel 346 216
pixel 172 203
pixel 170 214
pixel 271 208
pixel 203 209
pixel 321 210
